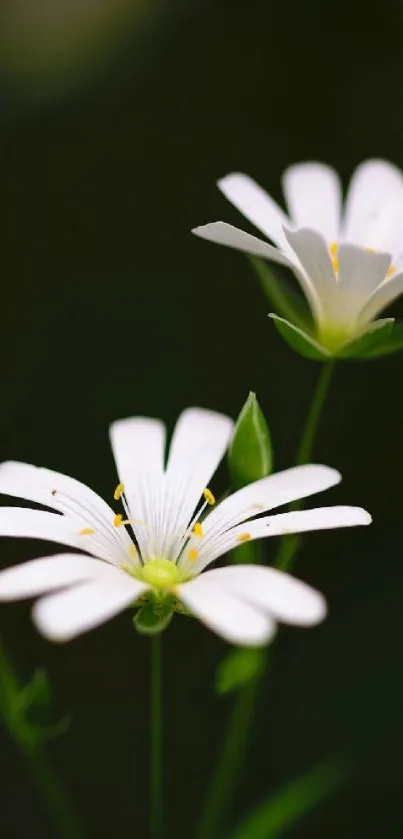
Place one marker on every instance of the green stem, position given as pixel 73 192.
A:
pixel 228 767
pixel 156 820
pixel 289 544
pixel 28 739
pixel 228 770
pixel 305 447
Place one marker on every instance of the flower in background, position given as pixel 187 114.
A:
pixel 348 261
pixel 159 545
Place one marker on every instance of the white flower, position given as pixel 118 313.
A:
pixel 169 545
pixel 348 262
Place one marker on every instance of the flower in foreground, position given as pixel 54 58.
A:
pixel 349 262
pixel 160 545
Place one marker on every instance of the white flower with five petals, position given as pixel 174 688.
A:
pixel 163 544
pixel 349 262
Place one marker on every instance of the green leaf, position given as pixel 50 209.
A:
pixel 393 343
pixel 240 667
pixel 287 303
pixel 154 616
pixel 250 450
pixel 300 341
pixel 370 342
pixel 270 819
pixel 36 693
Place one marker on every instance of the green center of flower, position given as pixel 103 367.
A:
pixel 160 573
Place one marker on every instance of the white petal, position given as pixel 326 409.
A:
pixel 313 196
pixel 298 521
pixel 36 524
pixel 225 613
pixel 385 294
pixel 51 572
pixel 198 444
pixel 225 234
pixel 63 616
pixel 257 206
pixel 314 256
pixel 268 493
pixel 138 445
pixel 70 497
pixel 286 599
pixel 360 273
pixel 374 205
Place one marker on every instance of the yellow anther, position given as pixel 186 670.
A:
pixel 334 249
pixel 86 531
pixel 209 496
pixel 133 552
pixel 259 507
pixel 391 270
pixel 119 521
pixel 119 491
pixel 243 537
pixel 193 553
pixel 198 530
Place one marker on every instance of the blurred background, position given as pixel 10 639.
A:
pixel 116 120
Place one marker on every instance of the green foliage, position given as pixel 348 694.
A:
pixel 271 818
pixel 240 667
pixel 23 707
pixel 250 451
pixel 154 616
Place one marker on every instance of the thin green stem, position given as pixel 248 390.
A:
pixel 289 544
pixel 229 767
pixel 156 817
pixel 314 414
pixel 229 764
pixel 27 737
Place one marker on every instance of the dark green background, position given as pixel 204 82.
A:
pixel 110 308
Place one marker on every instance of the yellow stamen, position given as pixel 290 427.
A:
pixel 333 248
pixel 258 507
pixel 391 270
pixel 243 537
pixel 119 521
pixel 86 531
pixel 209 496
pixel 193 553
pixel 198 530
pixel 119 491
pixel 133 552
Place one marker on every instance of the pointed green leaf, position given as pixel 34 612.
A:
pixel 393 343
pixel 370 342
pixel 300 341
pixel 154 616
pixel 250 451
pixel 288 303
pixel 272 818
pixel 238 668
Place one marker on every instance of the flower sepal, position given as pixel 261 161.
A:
pixel 287 302
pixel 378 339
pixel 300 341
pixel 155 615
